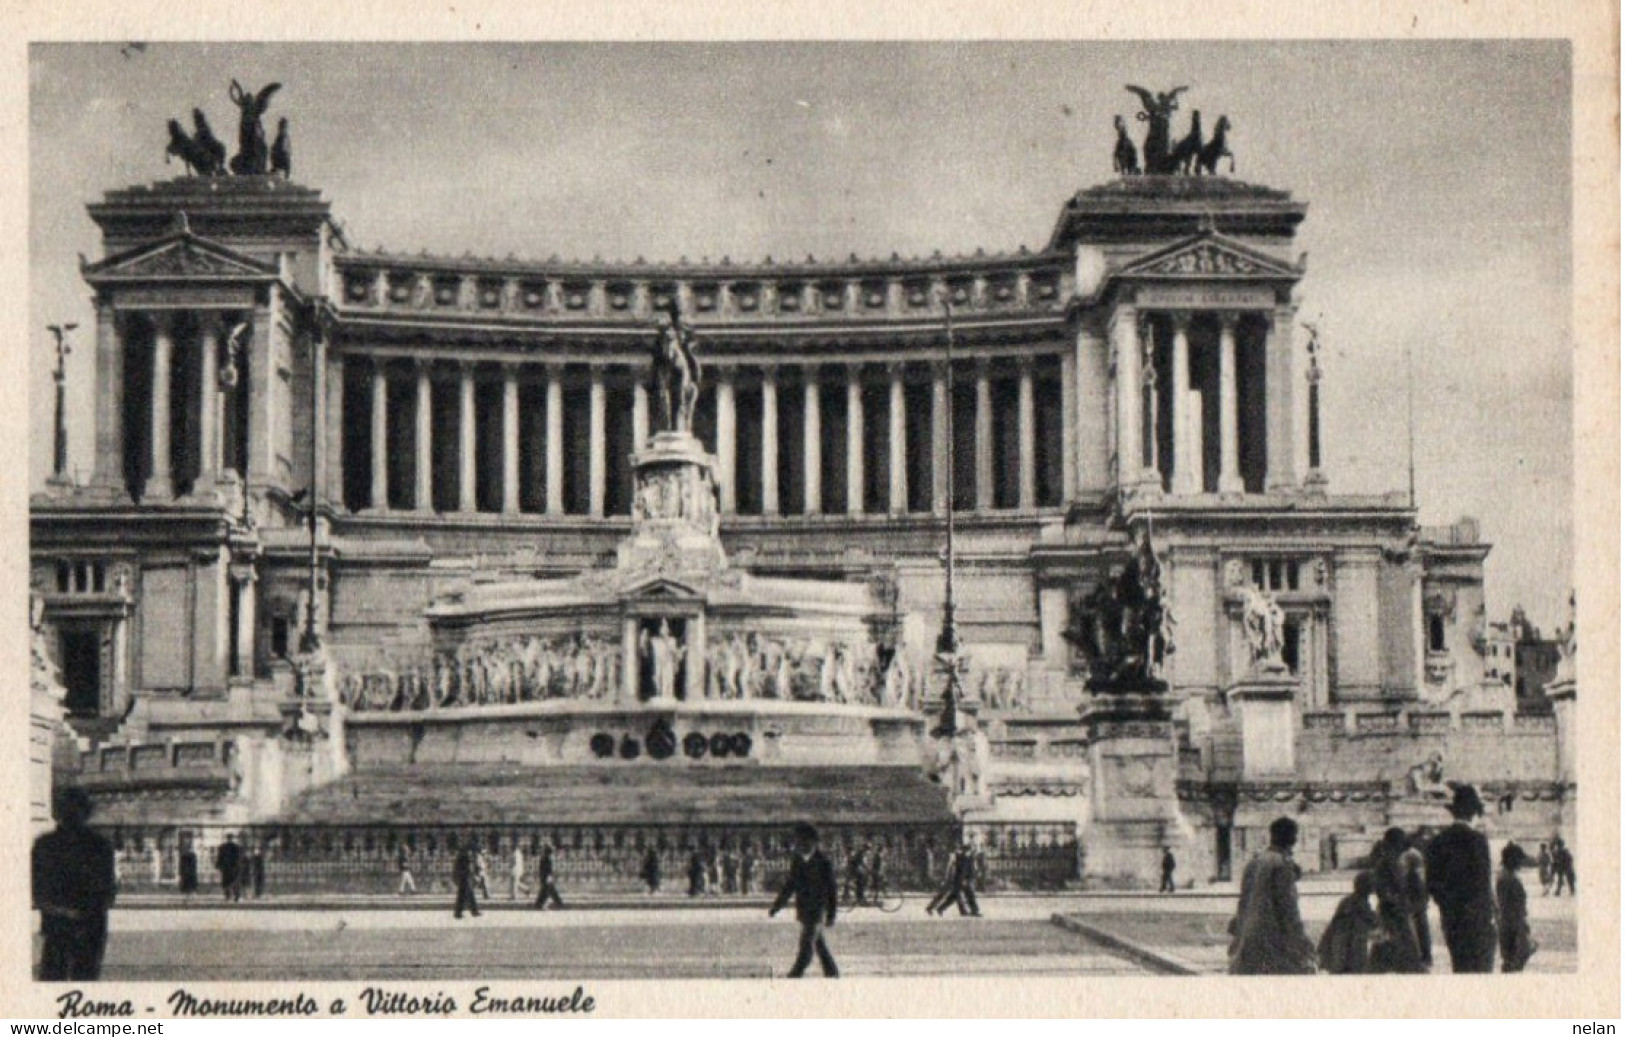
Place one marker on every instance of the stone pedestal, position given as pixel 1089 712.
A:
pixel 674 508
pixel 1133 764
pixel 1263 702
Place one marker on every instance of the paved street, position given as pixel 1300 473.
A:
pixel 678 938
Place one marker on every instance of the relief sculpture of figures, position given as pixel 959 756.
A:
pixel 676 375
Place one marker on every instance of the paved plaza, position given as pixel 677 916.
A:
pixel 1088 934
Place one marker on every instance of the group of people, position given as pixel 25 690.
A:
pixel 471 878
pixel 239 868
pixel 711 871
pixel 1481 912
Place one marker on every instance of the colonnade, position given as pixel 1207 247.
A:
pixel 513 437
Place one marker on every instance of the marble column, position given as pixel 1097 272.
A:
pixel 1229 462
pixel 510 439
pixel 640 411
pixel 380 436
pixel 1281 404
pixel 1187 468
pixel 854 439
pixel 423 448
pixel 334 445
pixel 160 483
pixel 247 622
pixel 1125 339
pixel 770 441
pixel 208 406
pixel 555 440
pixel 727 445
pixel 595 445
pixel 896 441
pixel 812 458
pixel 109 397
pixel 1070 368
pixel 1026 434
pixel 942 465
pixel 984 436
pixel 467 458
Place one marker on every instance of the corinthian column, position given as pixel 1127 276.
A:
pixel 812 457
pixel 380 436
pixel 942 466
pixel 770 441
pixel 1187 477
pixel 510 439
pixel 423 445
pixel 467 475
pixel 160 483
pixel 1229 465
pixel 854 439
pixel 555 440
pixel 984 436
pixel 595 444
pixel 727 436
pixel 896 440
pixel 208 406
pixel 1026 430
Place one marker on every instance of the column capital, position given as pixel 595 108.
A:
pixel 1180 319
pixel 423 365
pixel 1025 362
pixel 895 369
pixel 163 321
pixel 854 370
pixel 770 375
pixel 984 364
pixel 1228 319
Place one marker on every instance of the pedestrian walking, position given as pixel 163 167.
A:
pixel 1543 862
pixel 1168 866
pixel 516 872
pixel 1345 946
pixel 482 873
pixel 696 874
pixel 186 869
pixel 463 878
pixel 1562 868
pixel 73 889
pixel 747 871
pixel 713 872
pixel 1458 876
pixel 1512 910
pixel 730 871
pixel 651 870
pixel 403 865
pixel 256 869
pixel 547 887
pixel 811 883
pixel 228 861
pixel 1398 948
pixel 857 876
pixel 946 890
pixel 1267 934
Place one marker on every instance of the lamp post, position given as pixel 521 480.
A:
pixel 948 643
pixel 59 445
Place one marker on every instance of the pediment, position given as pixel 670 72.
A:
pixel 661 589
pixel 181 256
pixel 1209 256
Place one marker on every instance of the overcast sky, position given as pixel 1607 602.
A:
pixel 1437 175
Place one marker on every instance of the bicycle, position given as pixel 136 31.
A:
pixel 877 896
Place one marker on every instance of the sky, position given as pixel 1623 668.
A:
pixel 1437 176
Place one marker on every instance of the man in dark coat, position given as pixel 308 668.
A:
pixel 547 889
pixel 462 877
pixel 1267 933
pixel 811 882
pixel 228 861
pixel 651 870
pixel 1168 866
pixel 1459 877
pixel 73 890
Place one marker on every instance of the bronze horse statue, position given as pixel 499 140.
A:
pixel 202 152
pixel 1207 160
pixel 1125 158
pixel 253 155
pixel 1184 155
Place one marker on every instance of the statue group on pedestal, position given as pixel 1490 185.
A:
pixel 1264 625
pixel 1189 156
pixel 205 155
pixel 1123 627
